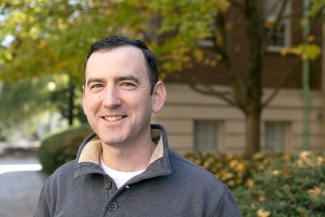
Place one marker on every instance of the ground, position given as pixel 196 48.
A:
pixel 21 181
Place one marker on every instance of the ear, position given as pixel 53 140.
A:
pixel 158 96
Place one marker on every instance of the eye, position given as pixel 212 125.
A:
pixel 127 84
pixel 96 86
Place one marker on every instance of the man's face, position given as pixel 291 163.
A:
pixel 117 98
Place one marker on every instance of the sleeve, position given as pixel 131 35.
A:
pixel 228 206
pixel 43 208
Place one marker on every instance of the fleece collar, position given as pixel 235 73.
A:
pixel 92 150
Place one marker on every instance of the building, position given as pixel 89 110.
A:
pixel 197 122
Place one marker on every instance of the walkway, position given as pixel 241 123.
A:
pixel 20 184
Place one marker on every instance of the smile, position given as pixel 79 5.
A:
pixel 113 118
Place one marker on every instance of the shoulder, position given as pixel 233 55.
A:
pixel 67 167
pixel 216 196
pixel 59 180
pixel 53 187
pixel 62 174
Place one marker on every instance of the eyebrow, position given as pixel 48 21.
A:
pixel 117 79
pixel 125 78
pixel 94 80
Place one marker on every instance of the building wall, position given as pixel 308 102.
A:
pixel 275 64
pixel 183 106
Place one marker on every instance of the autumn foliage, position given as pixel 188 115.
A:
pixel 268 185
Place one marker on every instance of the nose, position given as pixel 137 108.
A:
pixel 111 97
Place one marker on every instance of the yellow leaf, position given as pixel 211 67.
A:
pixel 224 6
pixel 284 52
pixel 310 38
pixel 269 24
pixel 286 157
pixel 213 63
pixel 262 213
pixel 240 167
pixel 304 154
pixel 198 54
pixel 233 163
pixel 320 160
pixel 257 156
pixel 261 167
pixel 93 39
pixel 315 191
pixel 249 183
pixel 41 44
pixel 231 183
pixel 303 22
pixel 276 172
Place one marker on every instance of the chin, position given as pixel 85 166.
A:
pixel 113 142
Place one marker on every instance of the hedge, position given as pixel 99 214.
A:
pixel 272 184
pixel 61 147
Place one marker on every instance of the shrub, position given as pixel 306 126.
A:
pixel 61 147
pixel 271 184
pixel 235 170
pixel 286 189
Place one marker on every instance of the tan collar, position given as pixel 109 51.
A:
pixel 93 149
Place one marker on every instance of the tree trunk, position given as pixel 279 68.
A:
pixel 253 127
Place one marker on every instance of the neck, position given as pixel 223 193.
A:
pixel 128 159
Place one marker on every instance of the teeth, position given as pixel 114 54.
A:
pixel 114 118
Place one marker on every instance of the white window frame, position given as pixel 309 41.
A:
pixel 198 141
pixel 270 17
pixel 282 148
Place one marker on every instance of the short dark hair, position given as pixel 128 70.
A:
pixel 116 41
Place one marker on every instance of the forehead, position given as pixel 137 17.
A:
pixel 121 60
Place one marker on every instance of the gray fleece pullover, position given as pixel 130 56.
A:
pixel 170 186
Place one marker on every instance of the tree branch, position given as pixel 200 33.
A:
pixel 282 82
pixel 235 81
pixel 193 83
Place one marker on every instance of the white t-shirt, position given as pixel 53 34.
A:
pixel 119 177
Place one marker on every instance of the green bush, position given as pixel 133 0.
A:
pixel 274 184
pixel 235 170
pixel 286 189
pixel 61 147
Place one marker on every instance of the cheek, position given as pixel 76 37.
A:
pixel 142 106
pixel 92 102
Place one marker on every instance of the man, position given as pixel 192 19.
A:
pixel 126 168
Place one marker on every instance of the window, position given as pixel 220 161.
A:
pixel 275 133
pixel 206 136
pixel 281 35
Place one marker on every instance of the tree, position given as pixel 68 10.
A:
pixel 13 98
pixel 64 100
pixel 22 101
pixel 213 21
pixel 51 36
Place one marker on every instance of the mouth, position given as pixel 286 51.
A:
pixel 113 118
